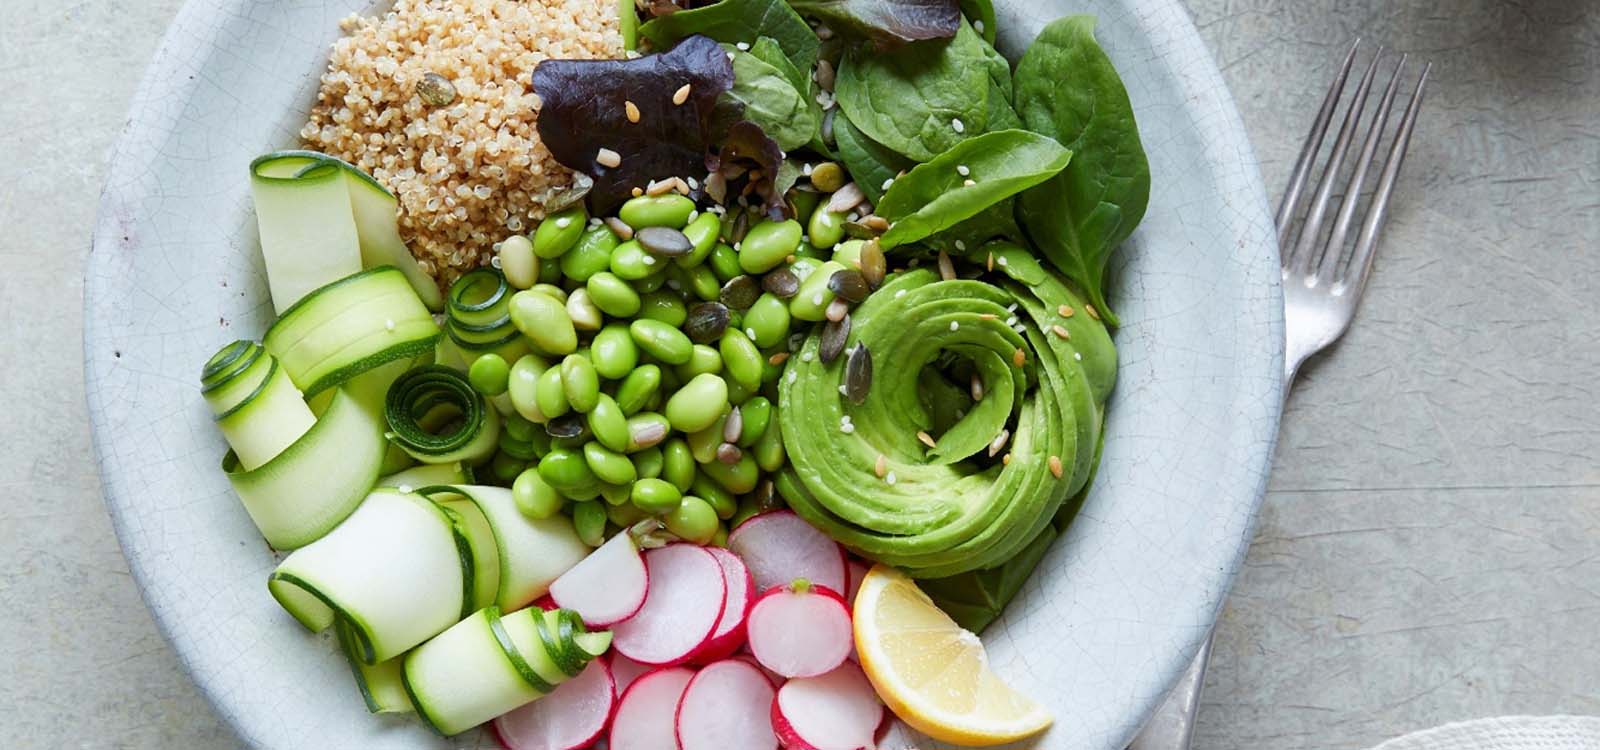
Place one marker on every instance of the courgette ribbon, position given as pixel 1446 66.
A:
pixel 435 415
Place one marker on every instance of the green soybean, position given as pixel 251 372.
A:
pixel 608 465
pixel 648 462
pixel 522 450
pixel 694 520
pixel 802 268
pixel 489 374
pixel 848 254
pixel 811 302
pixel 534 496
pixel 738 394
pixel 550 273
pixel 661 341
pixel 613 352
pixel 646 429
pixel 544 320
pixel 704 443
pixel 585 315
pixel 698 404
pixel 612 295
pixel 591 255
pixel 808 250
pixel 631 262
pixel 768 244
pixel 523 385
pixel 655 496
pixel 652 282
pixel 664 306
pixel 703 359
pixel 767 321
pixel 757 414
pixel 580 383
pixel 738 477
pixel 615 494
pixel 721 500
pixel 517 261
pixel 551 290
pixel 703 283
pixel 803 201
pixel 608 423
pixel 669 210
pixel 636 390
pixel 677 464
pixel 505 467
pixel 702 233
pixel 624 515
pixel 517 427
pixel 551 395
pixel 826 228
pixel 567 471
pixel 589 520
pixel 742 359
pixel 768 450
pixel 724 261
pixel 559 232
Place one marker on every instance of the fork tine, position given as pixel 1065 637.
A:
pixel 1307 252
pixel 1308 150
pixel 1367 242
pixel 1352 195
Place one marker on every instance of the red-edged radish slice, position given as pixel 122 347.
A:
pixel 780 546
pixel 772 677
pixel 835 711
pixel 800 630
pixel 606 587
pixel 572 716
pixel 546 603
pixel 646 717
pixel 740 594
pixel 727 706
pixel 624 670
pixel 858 572
pixel 681 608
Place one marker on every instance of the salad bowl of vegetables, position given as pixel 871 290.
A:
pixel 869 353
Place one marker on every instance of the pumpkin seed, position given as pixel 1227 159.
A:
pixel 706 322
pixel 782 283
pixel 834 334
pixel 858 375
pixel 740 292
pixel 664 241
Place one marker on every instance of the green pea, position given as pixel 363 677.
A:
pixel 615 494
pixel 848 254
pixel 608 423
pixel 677 464
pixel 768 450
pixel 698 404
pixel 580 383
pixel 517 427
pixel 742 359
pixel 738 477
pixel 662 341
pixel 585 314
pixel 768 244
pixel 517 261
pixel 724 261
pixel 703 359
pixel 668 210
pixel 703 443
pixel 804 202
pixel 612 295
pixel 489 374
pixel 703 283
pixel 702 233
pixel 544 320
pixel 646 429
pixel 767 321
pixel 648 462
pixel 589 520
pixel 664 306
pixel 693 520
pixel 552 290
pixel 608 465
pixel 652 282
pixel 630 261
pixel 523 387
pixel 826 228
pixel 591 255
pixel 534 496
pixel 655 496
pixel 567 471
pixel 559 232
pixel 505 467
pixel 757 414
pixel 707 488
pixel 636 389
pixel 551 395
pixel 624 515
pixel 811 302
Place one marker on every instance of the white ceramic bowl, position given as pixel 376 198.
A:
pixel 1117 609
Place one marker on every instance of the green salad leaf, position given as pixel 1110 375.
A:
pixel 869 163
pixel 1067 88
pixel 1002 116
pixel 920 99
pixel 734 21
pixel 886 22
pixel 770 98
pixel 980 12
pixel 963 181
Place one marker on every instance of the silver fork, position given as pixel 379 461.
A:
pixel 1322 281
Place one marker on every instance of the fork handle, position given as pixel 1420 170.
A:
pixel 1172 725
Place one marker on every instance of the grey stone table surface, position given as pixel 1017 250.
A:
pixel 1430 547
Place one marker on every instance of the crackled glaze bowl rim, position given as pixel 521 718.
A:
pixel 1122 602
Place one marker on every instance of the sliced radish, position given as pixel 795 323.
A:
pixel 727 706
pixel 858 573
pixel 835 711
pixel 546 603
pixel 681 608
pixel 740 594
pixel 647 715
pixel 572 716
pixel 624 670
pixel 779 547
pixel 800 630
pixel 606 587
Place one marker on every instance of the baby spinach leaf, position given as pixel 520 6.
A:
pixel 919 99
pixel 869 163
pixel 1001 114
pixel 972 176
pixel 771 101
pixel 886 22
pixel 1067 88
pixel 734 21
pixel 583 110
pixel 980 13
pixel 998 221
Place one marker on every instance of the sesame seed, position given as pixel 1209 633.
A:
pixel 1003 262
pixel 976 387
pixel 968 183
pixel 1018 357
pixel 847 428
pixel 1093 313
pixel 1064 311
pixel 988 316
pixel 843 391
pixel 1060 332
pixel 632 110
pixel 1078 356
pixel 674 285
pixel 963 170
pixel 750 333
pixel 682 94
pixel 1011 321
pixel 807 356
pixel 608 158
pixel 778 359
pixel 1006 459
pixel 890 478
pixel 743 46
pixel 947 270
pixel 636 192
pixel 999 442
pixel 899 294
pixel 564 222
pixel 989 264
pixel 887 183
pixel 816 299
pixel 977 26
pixel 954 326
pixel 881 466
pixel 405 489
pixel 388 325
pixel 957 124
pixel 961 245
pixel 648 260
pixel 926 439
pixel 1055 466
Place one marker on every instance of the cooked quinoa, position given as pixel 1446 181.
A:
pixel 473 171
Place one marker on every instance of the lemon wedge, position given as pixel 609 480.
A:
pixel 933 674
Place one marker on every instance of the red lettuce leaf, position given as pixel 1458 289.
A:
pixel 887 23
pixel 748 153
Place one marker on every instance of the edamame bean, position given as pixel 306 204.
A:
pixel 585 315
pixel 702 233
pixel 608 423
pixel 668 210
pixel 738 477
pixel 848 254
pixel 811 303
pixel 591 255
pixel 707 489
pixel 724 261
pixel 698 404
pixel 655 496
pixel 505 467
pixel 767 321
pixel 804 202
pixel 742 359
pixel 522 450
pixel 704 443
pixel 523 384
pixel 551 395
pixel 545 321
pixel 768 450
pixel 648 462
pixel 703 359
pixel 559 232
pixel 615 494
pixel 826 228
pixel 630 261
pixel 612 295
pixel 589 520
pixel 489 374
pixel 568 472
pixel 652 282
pixel 534 496
pixel 580 383
pixel 517 427
pixel 738 394
pixel 757 413
pixel 646 429
pixel 517 261
pixel 768 244
pixel 550 273
pixel 555 292
pixel 638 387
pixel 624 515
pixel 703 283
pixel 677 464
pixel 693 520
pixel 719 539
pixel 661 341
pixel 608 465
pixel 613 352
pixel 664 306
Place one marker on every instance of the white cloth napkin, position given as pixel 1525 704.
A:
pixel 1506 733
